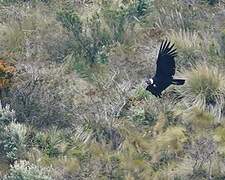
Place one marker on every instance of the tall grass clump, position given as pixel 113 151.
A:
pixel 189 39
pixel 204 87
pixel 171 140
pixel 193 47
pixel 182 15
pixel 189 46
pixel 50 143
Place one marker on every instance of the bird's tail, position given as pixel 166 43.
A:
pixel 178 81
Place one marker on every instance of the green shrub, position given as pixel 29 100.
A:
pixel 9 145
pixel 89 37
pixel 12 135
pixel 143 116
pixel 125 17
pixel 141 93
pixel 92 37
pixel 50 142
pixel 6 115
pixel 12 141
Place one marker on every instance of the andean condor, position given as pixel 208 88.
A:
pixel 165 70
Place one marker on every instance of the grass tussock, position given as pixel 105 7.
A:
pixel 204 87
pixel 185 39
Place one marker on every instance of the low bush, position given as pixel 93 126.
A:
pixel 27 171
pixel 12 136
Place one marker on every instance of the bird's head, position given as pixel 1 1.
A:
pixel 148 82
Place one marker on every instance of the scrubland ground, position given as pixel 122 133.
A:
pixel 76 107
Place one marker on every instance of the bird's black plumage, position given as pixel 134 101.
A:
pixel 165 70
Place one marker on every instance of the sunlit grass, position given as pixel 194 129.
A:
pixel 188 44
pixel 12 37
pixel 171 140
pixel 199 118
pixel 31 33
pixel 185 39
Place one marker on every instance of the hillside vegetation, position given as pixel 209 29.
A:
pixel 73 105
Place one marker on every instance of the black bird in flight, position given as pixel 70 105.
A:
pixel 165 70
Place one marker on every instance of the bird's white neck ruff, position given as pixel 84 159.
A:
pixel 151 81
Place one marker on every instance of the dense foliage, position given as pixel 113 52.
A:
pixel 73 105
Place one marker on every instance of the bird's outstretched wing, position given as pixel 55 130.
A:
pixel 165 62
